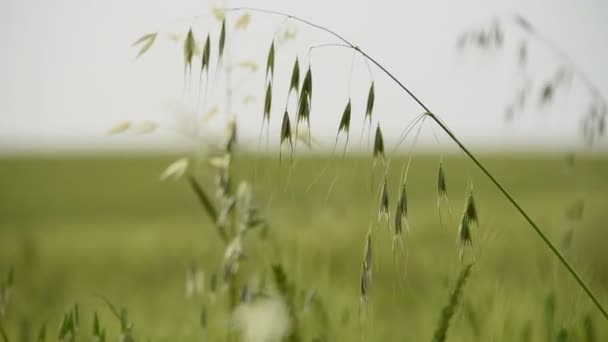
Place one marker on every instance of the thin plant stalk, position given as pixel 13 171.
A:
pixel 438 121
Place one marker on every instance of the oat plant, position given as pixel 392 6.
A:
pixel 232 226
pixel 436 120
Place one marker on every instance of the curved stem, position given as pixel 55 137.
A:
pixel 443 126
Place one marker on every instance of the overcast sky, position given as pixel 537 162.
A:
pixel 68 72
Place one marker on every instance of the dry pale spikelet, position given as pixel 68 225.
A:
pixel 146 42
pixel 243 21
pixel 175 170
pixel 219 13
pixel 383 209
pixel 220 162
pixel 210 114
pixel 145 127
pixel 265 319
pixel 119 128
pixel 251 65
pixel 232 256
pixel 303 136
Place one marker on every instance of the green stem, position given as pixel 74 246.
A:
pixel 523 213
pixel 3 333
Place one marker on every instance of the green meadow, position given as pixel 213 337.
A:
pixel 77 229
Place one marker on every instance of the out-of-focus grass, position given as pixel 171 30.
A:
pixel 75 228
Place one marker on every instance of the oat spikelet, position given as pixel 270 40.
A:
pixel 402 205
pixel 295 77
pixel 472 209
pixel 378 145
pixel 464 235
pixel 366 269
pixel 383 210
pixel 285 133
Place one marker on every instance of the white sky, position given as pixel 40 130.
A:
pixel 68 73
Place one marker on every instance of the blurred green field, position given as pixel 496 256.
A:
pixel 78 227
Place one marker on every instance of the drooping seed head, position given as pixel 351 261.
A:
pixel 303 109
pixel 471 210
pixel 378 145
pixel 464 235
pixel 371 96
pixel 270 61
pixel 222 41
pixel 383 210
pixel 295 77
pixel 366 269
pixel 268 102
pixel 286 130
pixel 307 84
pixel 345 121
pixel 206 54
pixel 189 46
pixel 441 184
